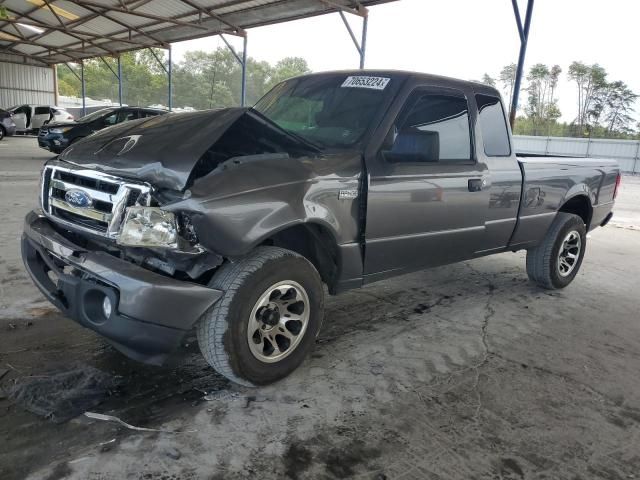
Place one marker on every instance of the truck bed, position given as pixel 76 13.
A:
pixel 548 182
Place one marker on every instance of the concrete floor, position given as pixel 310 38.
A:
pixel 464 371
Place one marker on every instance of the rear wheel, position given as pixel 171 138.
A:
pixel 556 261
pixel 268 318
pixel 2 134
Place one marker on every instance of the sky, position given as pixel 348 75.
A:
pixel 462 39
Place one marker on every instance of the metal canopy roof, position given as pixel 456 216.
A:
pixel 56 31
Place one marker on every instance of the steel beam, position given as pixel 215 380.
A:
pixel 84 101
pixel 243 94
pixel 524 38
pixel 169 75
pixel 119 80
pixel 243 65
pixel 362 45
pixel 363 42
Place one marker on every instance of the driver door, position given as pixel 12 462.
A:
pixel 20 118
pixel 428 196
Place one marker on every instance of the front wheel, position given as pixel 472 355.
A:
pixel 556 261
pixel 1 132
pixel 267 319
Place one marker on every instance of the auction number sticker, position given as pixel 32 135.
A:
pixel 374 83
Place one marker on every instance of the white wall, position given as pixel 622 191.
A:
pixel 22 83
pixel 626 152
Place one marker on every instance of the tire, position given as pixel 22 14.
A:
pixel 545 264
pixel 224 330
pixel 2 134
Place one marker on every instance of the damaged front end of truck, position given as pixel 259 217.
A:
pixel 126 237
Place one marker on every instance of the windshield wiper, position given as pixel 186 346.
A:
pixel 288 133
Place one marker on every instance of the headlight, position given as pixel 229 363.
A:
pixel 148 227
pixel 60 130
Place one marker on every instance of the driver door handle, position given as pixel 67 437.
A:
pixel 477 184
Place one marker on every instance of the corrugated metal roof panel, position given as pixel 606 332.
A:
pixel 145 22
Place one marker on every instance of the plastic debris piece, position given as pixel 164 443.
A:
pixel 111 418
pixel 223 395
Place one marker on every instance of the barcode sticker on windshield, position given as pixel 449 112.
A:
pixel 375 83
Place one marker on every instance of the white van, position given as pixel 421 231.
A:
pixel 29 118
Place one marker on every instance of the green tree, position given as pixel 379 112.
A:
pixel 488 80
pixel 590 82
pixel 618 107
pixel 507 79
pixel 542 106
pixel 288 67
pixel 201 80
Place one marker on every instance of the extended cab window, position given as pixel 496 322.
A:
pixel 433 128
pixel 493 126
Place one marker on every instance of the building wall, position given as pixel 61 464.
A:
pixel 25 83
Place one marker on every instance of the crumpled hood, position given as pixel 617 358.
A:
pixel 161 150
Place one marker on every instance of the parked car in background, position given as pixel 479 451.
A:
pixel 29 118
pixel 56 136
pixel 7 125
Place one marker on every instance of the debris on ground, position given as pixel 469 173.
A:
pixel 111 418
pixel 106 446
pixel 173 453
pixel 64 395
pixel 223 395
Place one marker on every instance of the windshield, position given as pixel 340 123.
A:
pixel 331 111
pixel 96 114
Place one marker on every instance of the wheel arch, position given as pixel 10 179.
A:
pixel 578 204
pixel 314 241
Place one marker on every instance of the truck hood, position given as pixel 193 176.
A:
pixel 161 150
pixel 70 123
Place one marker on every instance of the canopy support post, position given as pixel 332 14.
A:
pixel 84 101
pixel 524 38
pixel 169 74
pixel 119 80
pixel 243 64
pixel 361 46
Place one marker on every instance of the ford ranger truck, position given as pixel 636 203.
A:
pixel 232 221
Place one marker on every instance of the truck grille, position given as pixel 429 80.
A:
pixel 89 200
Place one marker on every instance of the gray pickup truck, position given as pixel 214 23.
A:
pixel 232 221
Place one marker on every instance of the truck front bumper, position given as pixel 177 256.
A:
pixel 150 313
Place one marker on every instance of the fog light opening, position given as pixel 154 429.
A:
pixel 98 306
pixel 107 307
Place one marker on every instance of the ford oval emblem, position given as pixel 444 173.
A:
pixel 78 198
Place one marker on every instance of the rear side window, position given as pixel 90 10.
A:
pixel 434 129
pixel 493 126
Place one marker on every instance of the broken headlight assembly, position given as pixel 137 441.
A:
pixel 148 227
